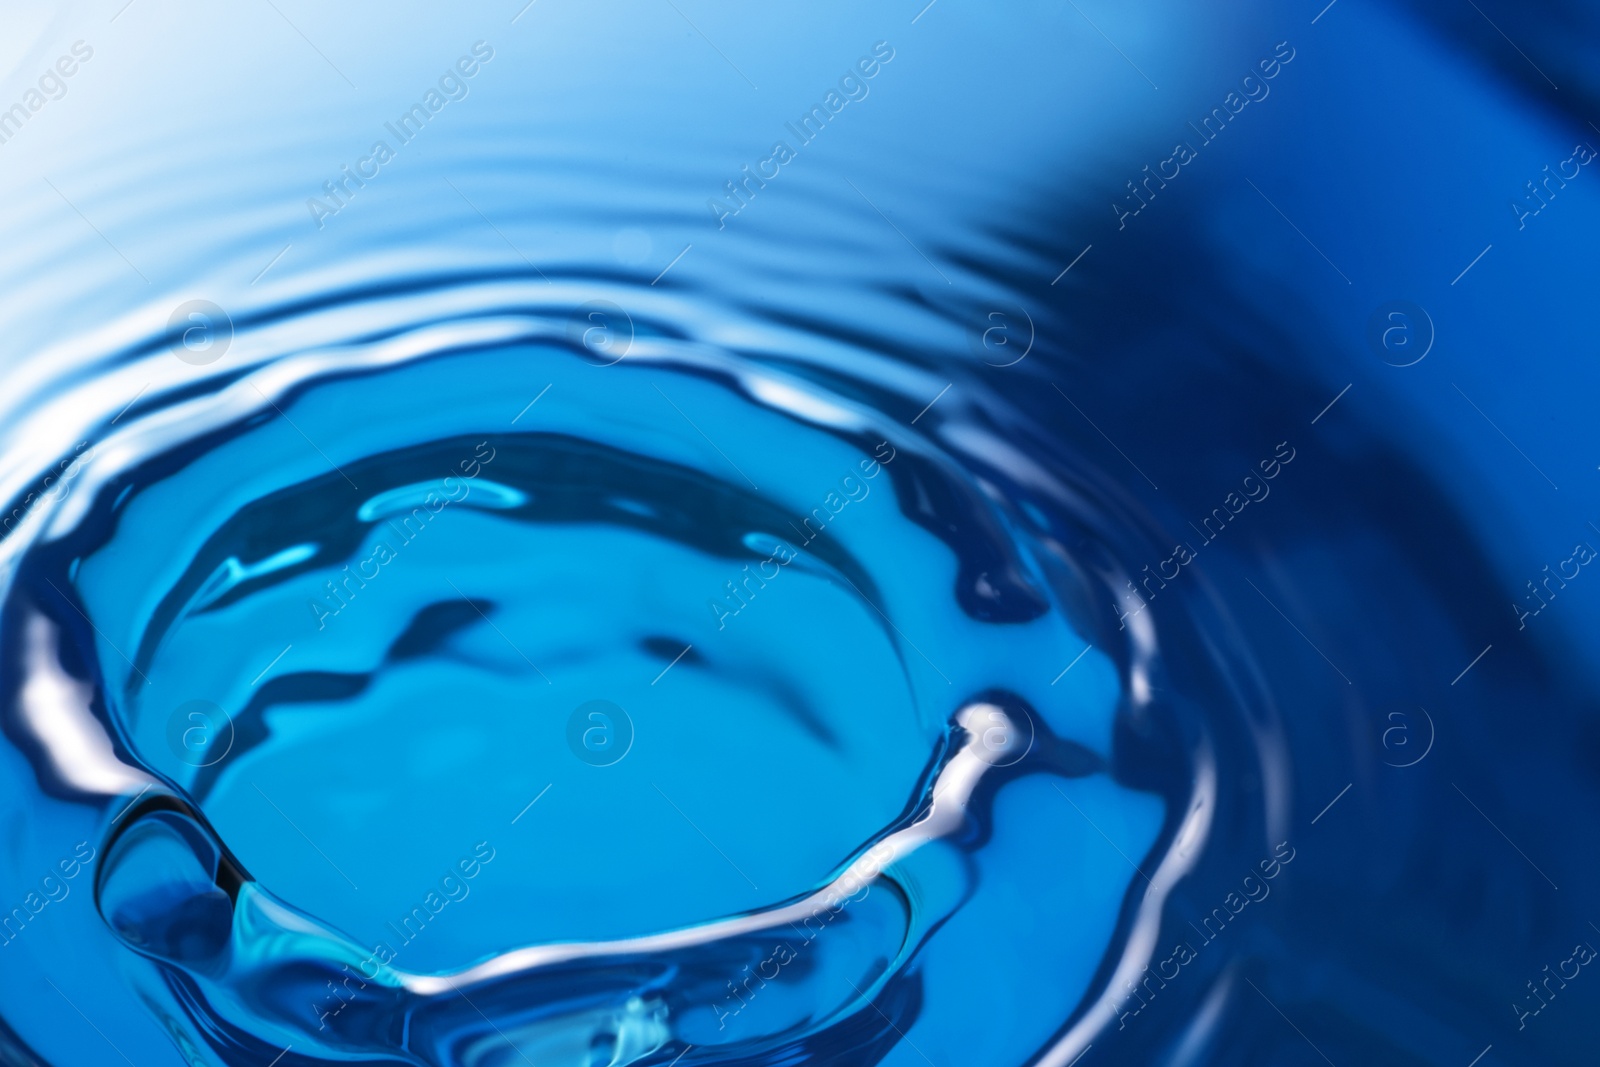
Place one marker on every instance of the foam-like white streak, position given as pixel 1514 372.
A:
pixel 55 709
pixel 945 815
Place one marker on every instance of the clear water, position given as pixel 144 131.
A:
pixel 534 602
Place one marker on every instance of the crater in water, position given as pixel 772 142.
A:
pixel 492 698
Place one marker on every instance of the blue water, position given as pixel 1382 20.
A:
pixel 659 534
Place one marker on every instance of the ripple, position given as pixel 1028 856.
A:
pixel 336 601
